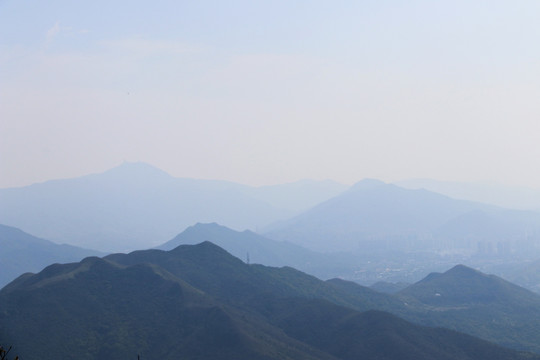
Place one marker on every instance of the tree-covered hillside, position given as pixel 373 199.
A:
pixel 199 302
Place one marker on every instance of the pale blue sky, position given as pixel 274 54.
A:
pixel 263 92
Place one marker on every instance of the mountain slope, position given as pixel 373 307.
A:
pixel 373 216
pixel 298 196
pixel 463 286
pixel 22 252
pixel 230 280
pixel 132 206
pixel 511 197
pixel 262 250
pixel 135 206
pixel 387 287
pixel 201 302
pixel 483 305
pixel 377 335
pixel 213 270
pixel 97 310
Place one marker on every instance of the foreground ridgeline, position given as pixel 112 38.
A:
pixel 200 302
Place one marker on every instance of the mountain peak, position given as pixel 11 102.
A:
pixel 462 270
pixel 206 249
pixel 463 286
pixel 136 169
pixel 458 275
pixel 210 225
pixel 198 233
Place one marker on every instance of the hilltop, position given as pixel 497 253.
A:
pixel 198 301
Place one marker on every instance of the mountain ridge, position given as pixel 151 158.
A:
pixel 470 301
pixel 136 205
pixel 373 216
pixel 123 304
pixel 22 252
pixel 262 250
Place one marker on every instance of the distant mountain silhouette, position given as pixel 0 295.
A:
pixel 201 302
pixel 240 244
pixel 374 216
pixel 511 197
pixel 247 245
pixel 21 252
pixel 136 205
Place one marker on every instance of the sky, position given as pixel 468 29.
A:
pixel 267 92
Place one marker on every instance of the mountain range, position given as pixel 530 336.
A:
pixel 373 216
pixel 198 301
pixel 257 249
pixel 467 300
pixel 136 206
pixel 517 309
pixel 21 252
pixel 511 197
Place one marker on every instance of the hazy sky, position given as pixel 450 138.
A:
pixel 263 92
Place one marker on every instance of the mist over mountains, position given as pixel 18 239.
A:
pixel 511 197
pixel 373 216
pixel 132 261
pixel 210 291
pixel 22 252
pixel 257 249
pixel 368 233
pixel 137 206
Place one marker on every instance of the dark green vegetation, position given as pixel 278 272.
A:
pixel 472 302
pixel 216 272
pixel 96 310
pixel 349 334
pixel 199 302
pixel 21 252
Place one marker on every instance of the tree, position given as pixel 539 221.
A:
pixel 4 353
